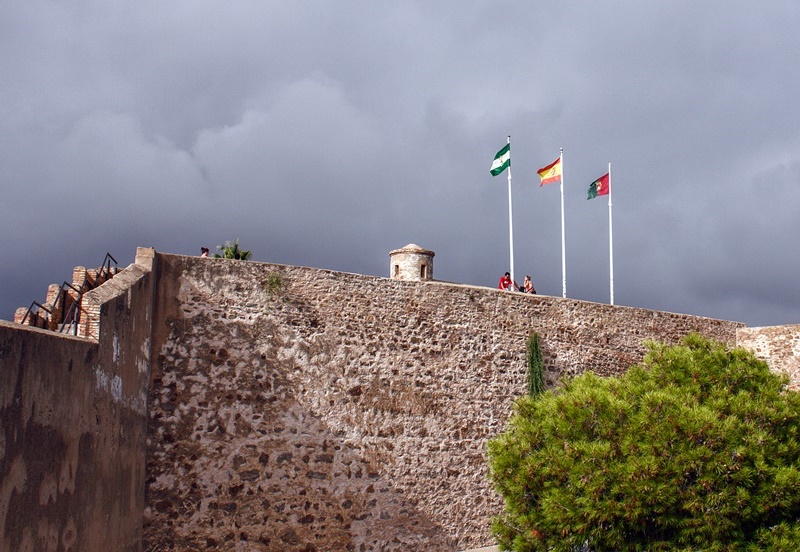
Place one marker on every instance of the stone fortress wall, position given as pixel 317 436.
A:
pixel 288 408
pixel 73 423
pixel 294 408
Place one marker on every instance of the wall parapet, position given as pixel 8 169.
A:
pixel 62 308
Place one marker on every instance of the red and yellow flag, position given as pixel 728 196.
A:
pixel 551 173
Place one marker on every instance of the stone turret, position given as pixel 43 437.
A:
pixel 412 262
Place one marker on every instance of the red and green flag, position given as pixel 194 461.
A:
pixel 599 187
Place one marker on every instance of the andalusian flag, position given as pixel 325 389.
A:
pixel 502 160
pixel 551 173
pixel 599 187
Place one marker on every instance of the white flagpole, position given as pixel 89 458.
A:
pixel 510 215
pixel 563 242
pixel 610 239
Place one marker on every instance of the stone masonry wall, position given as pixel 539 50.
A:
pixel 72 425
pixel 778 345
pixel 46 441
pixel 302 409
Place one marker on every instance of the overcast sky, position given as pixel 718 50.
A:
pixel 326 134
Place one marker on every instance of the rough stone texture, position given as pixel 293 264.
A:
pixel 72 427
pixel 778 345
pixel 302 409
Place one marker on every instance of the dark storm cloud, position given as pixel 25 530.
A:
pixel 327 134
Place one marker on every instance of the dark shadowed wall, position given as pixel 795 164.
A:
pixel 73 423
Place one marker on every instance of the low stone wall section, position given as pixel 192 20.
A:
pixel 779 346
pixel 302 409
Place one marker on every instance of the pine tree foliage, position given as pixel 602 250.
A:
pixel 535 365
pixel 697 448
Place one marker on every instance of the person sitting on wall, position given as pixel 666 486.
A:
pixel 527 286
pixel 507 284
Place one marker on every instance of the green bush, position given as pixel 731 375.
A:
pixel 695 449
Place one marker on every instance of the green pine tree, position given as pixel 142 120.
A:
pixel 697 448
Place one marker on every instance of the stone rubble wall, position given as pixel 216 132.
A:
pixel 779 346
pixel 302 409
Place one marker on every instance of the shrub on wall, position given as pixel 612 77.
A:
pixel 273 284
pixel 535 366
pixel 698 448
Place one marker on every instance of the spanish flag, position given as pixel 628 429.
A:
pixel 551 173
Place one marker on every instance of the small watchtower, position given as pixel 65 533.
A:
pixel 412 262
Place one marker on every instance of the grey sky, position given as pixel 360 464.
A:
pixel 328 133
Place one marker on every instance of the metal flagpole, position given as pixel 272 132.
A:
pixel 610 239
pixel 510 220
pixel 563 246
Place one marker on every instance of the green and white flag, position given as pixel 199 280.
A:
pixel 502 160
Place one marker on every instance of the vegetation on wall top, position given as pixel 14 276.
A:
pixel 231 250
